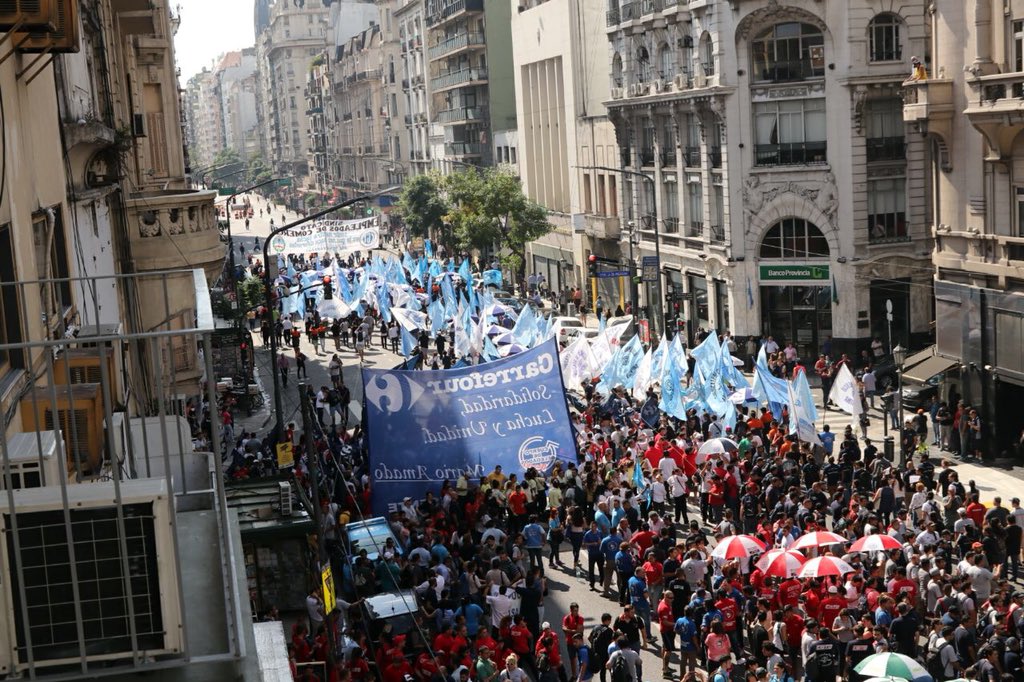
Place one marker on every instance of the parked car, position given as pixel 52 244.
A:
pixel 917 394
pixel 371 535
pixel 394 610
pixel 566 329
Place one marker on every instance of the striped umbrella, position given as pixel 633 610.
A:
pixel 825 565
pixel 736 546
pixel 781 563
pixel 888 664
pixel 817 539
pixel 875 543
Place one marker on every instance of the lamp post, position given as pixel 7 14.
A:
pixel 269 301
pixel 659 316
pixel 899 356
pixel 231 243
pixel 634 242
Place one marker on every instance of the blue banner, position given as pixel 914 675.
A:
pixel 426 427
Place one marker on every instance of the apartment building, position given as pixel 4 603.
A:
pixel 769 165
pixel 967 113
pixel 206 122
pixel 468 47
pixel 411 30
pixel 292 35
pixel 236 76
pixel 564 137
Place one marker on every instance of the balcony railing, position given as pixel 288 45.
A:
pixel 671 225
pixel 888 228
pixel 787 71
pixel 408 119
pixel 453 7
pixel 613 17
pixel 628 11
pixel 651 6
pixel 458 42
pixel 459 114
pixel 691 157
pixel 886 148
pixel 668 157
pixel 790 154
pixel 455 78
pixel 464 148
pixel 695 229
pixel 646 157
pixel 717 233
pixel 715 156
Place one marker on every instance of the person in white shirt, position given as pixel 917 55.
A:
pixel 927 538
pixel 870 386
pixel 667 465
pixel 501 604
pixel 770 346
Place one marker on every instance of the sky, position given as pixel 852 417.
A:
pixel 209 28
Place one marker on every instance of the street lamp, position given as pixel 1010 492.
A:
pixel 270 304
pixel 634 242
pixel 899 356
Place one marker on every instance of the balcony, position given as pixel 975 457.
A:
pixel 408 119
pixel 463 149
pixel 886 149
pixel 691 157
pixel 984 255
pixel 455 79
pixel 786 71
pixel 671 225
pixel 695 230
pixel 791 154
pixel 460 115
pixel 612 17
pixel 603 227
pixel 668 157
pixel 651 6
pixel 628 11
pixel 647 157
pixel 456 44
pixel 175 229
pixel 928 102
pixel 453 9
pixel 715 156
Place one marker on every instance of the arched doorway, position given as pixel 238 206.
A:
pixel 796 286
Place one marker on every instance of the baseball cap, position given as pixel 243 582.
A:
pixel 545 625
pixel 832 589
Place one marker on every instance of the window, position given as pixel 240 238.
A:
pixel 691 151
pixel 794 238
pixel 707 55
pixel 887 217
pixel 883 125
pixel 790 132
pixel 695 205
pixel 670 204
pixel 788 52
pixel 666 62
pixel 616 70
pixel 1018 46
pixel 717 209
pixel 602 205
pixel 643 65
pixel 686 55
pixel 1019 192
pixel 51 264
pixel 10 310
pixel 512 151
pixel 884 37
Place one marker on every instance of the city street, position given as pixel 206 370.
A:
pixel 565 587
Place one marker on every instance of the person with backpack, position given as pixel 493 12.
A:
pixel 600 638
pixel 941 659
pixel 624 663
pixel 585 661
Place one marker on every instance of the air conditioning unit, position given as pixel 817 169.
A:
pixel 79 418
pixel 143 437
pixel 139 571
pixel 34 461
pixel 63 37
pixel 85 366
pixel 700 80
pixel 682 81
pixel 633 90
pixel 39 15
pixel 657 85
pixel 616 93
pixel 285 494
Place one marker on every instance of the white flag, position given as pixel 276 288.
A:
pixel 577 363
pixel 413 321
pixel 845 393
pixel 643 373
pixel 800 422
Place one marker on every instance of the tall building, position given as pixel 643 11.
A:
pixel 774 182
pixel 416 121
pixel 468 46
pixel 289 36
pixel 966 112
pixel 236 77
pixel 563 132
pixel 206 124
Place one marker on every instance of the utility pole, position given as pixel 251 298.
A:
pixel 312 459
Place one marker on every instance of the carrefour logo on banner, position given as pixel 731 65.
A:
pixel 368 238
pixel 278 244
pixel 537 453
pixel 390 393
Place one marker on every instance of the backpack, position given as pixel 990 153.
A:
pixel 933 662
pixel 620 670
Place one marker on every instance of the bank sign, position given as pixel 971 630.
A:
pixel 794 273
pixel 426 427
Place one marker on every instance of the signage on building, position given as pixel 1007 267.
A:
pixel 327 580
pixel 613 273
pixel 794 273
pixel 650 269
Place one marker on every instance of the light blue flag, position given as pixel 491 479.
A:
pixel 490 352
pixel 768 388
pixel 435 269
pixel 408 262
pixel 671 392
pixel 802 413
pixel 465 273
pixel 428 248
pixel 436 312
pixel 602 323
pixel 707 355
pixel 474 303
pixel 408 342
pixel 492 278
pixel 344 287
pixel 732 375
pixel 621 369
pixel 421 270
pixel 448 292
pixel 803 389
pixel 384 302
pixel 525 330
pixel 461 362
pixel 658 357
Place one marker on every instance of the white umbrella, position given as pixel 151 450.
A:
pixel 717 446
pixel 736 546
pixel 818 539
pixel 878 542
pixel 782 563
pixel 823 566
pixel 892 665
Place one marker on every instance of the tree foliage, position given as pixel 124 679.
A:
pixel 257 170
pixel 423 208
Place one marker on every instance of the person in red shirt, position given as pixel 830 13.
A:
pixel 643 538
pixel 519 637
pixel 445 640
pixel 547 644
pixel 396 669
pixel 794 631
pixel 830 606
pixel 902 584
pixel 517 505
pixel 358 668
pixel 976 511
pixel 572 623
pixel 789 593
pixel 730 618
pixel 426 667
pixel 716 498
pixel 484 639
pixel 303 651
pixel 666 624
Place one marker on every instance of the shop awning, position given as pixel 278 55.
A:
pixel 919 357
pixel 924 371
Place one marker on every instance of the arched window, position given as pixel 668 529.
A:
pixel 884 37
pixel 707 55
pixel 617 70
pixel 788 52
pixel 794 238
pixel 643 64
pixel 686 55
pixel 666 62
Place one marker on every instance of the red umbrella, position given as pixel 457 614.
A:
pixel 736 546
pixel 818 539
pixel 875 543
pixel 782 563
pixel 823 566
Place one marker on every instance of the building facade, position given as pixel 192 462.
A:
pixel 564 136
pixel 206 121
pixel 768 166
pixel 236 76
pixel 967 111
pixel 416 121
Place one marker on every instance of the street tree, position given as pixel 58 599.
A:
pixel 423 208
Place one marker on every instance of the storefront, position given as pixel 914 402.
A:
pixel 796 305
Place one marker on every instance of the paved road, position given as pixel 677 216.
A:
pixel 564 586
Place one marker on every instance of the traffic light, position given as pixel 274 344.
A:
pixel 328 289
pixel 592 265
